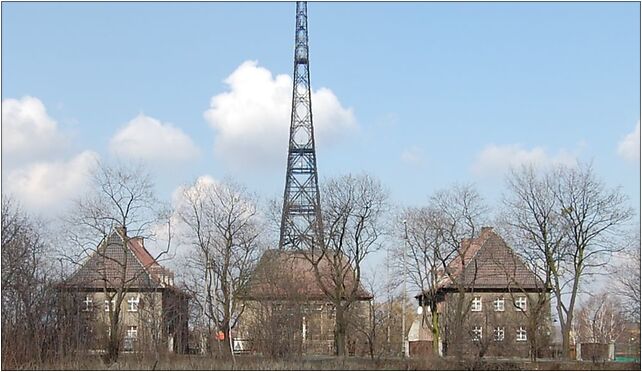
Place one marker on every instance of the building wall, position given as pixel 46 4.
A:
pixel 492 323
pixel 159 321
pixel 302 327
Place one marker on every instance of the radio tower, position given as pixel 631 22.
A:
pixel 301 218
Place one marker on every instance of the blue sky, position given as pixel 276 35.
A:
pixel 421 95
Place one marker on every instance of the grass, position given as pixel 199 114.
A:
pixel 201 362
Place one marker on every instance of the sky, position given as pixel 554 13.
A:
pixel 420 95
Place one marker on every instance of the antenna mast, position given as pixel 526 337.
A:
pixel 301 227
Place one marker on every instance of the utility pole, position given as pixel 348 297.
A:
pixel 403 299
pixel 301 227
pixel 389 297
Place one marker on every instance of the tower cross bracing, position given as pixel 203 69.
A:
pixel 301 215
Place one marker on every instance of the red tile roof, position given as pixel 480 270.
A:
pixel 105 266
pixel 489 263
pixel 287 275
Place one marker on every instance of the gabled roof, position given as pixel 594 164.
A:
pixel 289 275
pixel 488 262
pixel 104 267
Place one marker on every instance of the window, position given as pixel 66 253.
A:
pixel 132 332
pixel 88 302
pixel 132 303
pixel 132 335
pixel 477 304
pixel 329 310
pixel 498 334
pixel 498 304
pixel 521 334
pixel 520 303
pixel 113 304
pixel 477 333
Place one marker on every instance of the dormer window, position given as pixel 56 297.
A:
pixel 132 304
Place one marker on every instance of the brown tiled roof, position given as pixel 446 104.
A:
pixel 106 264
pixel 490 263
pixel 290 275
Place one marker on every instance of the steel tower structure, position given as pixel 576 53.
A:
pixel 301 226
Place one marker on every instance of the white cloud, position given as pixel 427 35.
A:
pixel 496 159
pixel 28 132
pixel 202 183
pixel 252 118
pixel 412 155
pixel 629 146
pixel 46 186
pixel 146 138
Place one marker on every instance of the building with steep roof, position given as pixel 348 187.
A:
pixel 503 303
pixel 286 310
pixel 153 313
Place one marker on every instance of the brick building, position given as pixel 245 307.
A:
pixel 504 304
pixel 154 312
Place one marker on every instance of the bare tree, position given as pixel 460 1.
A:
pixel 423 253
pixel 627 275
pixel 592 216
pixel 23 286
pixel 223 227
pixel 438 238
pixel 121 199
pixel 375 318
pixel 566 222
pixel 531 222
pixel 353 208
pixel 600 319
pixel 275 322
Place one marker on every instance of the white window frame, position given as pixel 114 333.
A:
pixel 113 304
pixel 476 305
pixel 477 333
pixel 499 334
pixel 132 304
pixel 88 303
pixel 132 332
pixel 499 304
pixel 521 303
pixel 521 334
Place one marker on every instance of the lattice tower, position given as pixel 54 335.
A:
pixel 301 226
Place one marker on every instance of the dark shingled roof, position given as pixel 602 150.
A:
pixel 105 266
pixel 288 275
pixel 490 263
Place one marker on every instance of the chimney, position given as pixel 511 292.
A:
pixel 122 231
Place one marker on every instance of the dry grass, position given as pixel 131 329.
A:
pixel 199 362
